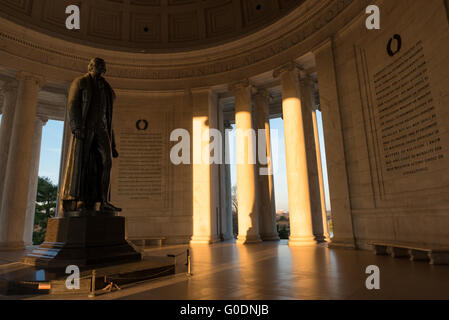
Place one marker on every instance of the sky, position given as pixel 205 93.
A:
pixel 52 142
pixel 51 150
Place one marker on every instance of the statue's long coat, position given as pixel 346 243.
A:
pixel 81 181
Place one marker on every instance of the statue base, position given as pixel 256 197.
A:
pixel 84 241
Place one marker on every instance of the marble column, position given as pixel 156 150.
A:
pixel 9 91
pixel 66 137
pixel 227 167
pixel 335 149
pixel 39 123
pixel 300 213
pixel 225 180
pixel 306 87
pixel 268 228
pixel 248 211
pixel 326 236
pixel 205 174
pixel 17 180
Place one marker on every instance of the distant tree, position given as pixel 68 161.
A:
pixel 283 232
pixel 45 208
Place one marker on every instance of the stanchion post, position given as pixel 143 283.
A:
pixel 92 285
pixel 188 263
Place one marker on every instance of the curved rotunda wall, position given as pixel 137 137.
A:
pixel 151 87
pixel 371 199
pixel 24 48
pixel 150 25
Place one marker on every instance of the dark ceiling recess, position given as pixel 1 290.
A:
pixel 152 25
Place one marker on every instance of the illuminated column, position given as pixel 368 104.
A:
pixel 268 229
pixel 311 138
pixel 34 178
pixel 205 173
pixel 248 211
pixel 9 91
pixel 300 214
pixel 14 202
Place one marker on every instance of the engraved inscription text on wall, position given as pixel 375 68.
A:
pixel 408 125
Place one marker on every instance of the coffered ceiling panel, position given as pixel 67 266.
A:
pixel 150 25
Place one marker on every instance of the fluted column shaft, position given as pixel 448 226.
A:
pixel 248 211
pixel 205 173
pixel 306 89
pixel 34 178
pixel 15 195
pixel 326 235
pixel 268 229
pixel 300 214
pixel 9 107
pixel 226 185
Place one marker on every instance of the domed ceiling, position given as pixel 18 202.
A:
pixel 150 25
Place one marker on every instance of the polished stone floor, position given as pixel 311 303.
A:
pixel 269 271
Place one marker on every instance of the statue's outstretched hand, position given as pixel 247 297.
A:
pixel 115 153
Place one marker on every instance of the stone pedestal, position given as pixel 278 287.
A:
pixel 84 241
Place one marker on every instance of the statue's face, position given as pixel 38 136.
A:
pixel 97 67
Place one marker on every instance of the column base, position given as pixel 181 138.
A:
pixel 270 237
pixel 12 246
pixel 227 237
pixel 321 239
pixel 302 241
pixel 204 239
pixel 248 239
pixel 342 243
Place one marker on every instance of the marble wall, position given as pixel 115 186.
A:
pixel 390 107
pixel 155 194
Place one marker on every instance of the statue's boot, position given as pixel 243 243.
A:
pixel 106 206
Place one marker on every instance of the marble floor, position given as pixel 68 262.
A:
pixel 273 270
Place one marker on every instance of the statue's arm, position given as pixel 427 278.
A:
pixel 113 145
pixel 74 105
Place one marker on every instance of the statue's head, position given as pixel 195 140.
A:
pixel 97 67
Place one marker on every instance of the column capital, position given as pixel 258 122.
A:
pixel 242 84
pixel 10 86
pixel 307 83
pixel 227 124
pixel 262 93
pixel 286 67
pixel 37 79
pixel 42 118
pixel 306 80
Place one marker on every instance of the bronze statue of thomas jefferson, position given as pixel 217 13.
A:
pixel 92 147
